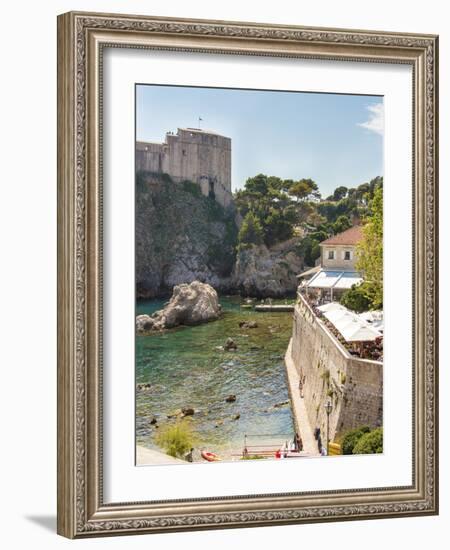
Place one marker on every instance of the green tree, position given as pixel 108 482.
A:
pixel 356 299
pixel 277 228
pixel 176 439
pixel 258 184
pixel 310 250
pixel 370 251
pixel 370 443
pixel 351 438
pixel 374 184
pixel 251 231
pixel 341 224
pixel 340 193
pixel 304 189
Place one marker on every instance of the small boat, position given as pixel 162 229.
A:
pixel 210 457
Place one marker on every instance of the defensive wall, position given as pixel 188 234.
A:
pixel 328 372
pixel 191 154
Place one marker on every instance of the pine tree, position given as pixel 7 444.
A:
pixel 251 231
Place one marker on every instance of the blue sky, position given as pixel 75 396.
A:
pixel 333 139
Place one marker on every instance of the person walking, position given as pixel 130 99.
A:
pixel 298 443
pixel 189 457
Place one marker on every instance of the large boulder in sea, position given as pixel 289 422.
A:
pixel 191 304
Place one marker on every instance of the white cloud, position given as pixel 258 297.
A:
pixel 376 119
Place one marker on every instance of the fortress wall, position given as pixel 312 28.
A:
pixel 354 386
pixel 223 195
pixel 191 155
pixel 149 156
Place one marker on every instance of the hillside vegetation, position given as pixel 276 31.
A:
pixel 256 247
pixel 275 210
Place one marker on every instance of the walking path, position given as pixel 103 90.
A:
pixel 149 456
pixel 298 405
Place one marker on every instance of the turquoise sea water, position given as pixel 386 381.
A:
pixel 185 369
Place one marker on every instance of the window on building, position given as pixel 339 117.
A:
pixel 331 254
pixel 347 255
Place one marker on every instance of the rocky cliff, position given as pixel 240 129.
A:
pixel 181 236
pixel 263 272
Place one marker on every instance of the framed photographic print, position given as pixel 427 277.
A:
pixel 247 285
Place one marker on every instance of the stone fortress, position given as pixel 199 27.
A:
pixel 192 154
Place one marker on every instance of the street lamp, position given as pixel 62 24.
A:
pixel 328 409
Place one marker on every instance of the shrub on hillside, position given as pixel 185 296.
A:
pixel 176 439
pixel 370 443
pixel 351 438
pixel 251 231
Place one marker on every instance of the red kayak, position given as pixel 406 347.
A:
pixel 210 457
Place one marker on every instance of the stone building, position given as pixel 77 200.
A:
pixel 325 339
pixel 192 154
pixel 338 252
pixel 336 270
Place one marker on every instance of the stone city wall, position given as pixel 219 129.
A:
pixel 354 386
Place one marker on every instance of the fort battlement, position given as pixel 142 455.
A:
pixel 200 156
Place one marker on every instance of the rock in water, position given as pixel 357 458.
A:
pixel 230 344
pixel 144 323
pixel 191 304
pixel 248 324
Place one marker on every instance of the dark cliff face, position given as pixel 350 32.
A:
pixel 181 236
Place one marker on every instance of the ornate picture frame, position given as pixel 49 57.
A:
pixel 82 38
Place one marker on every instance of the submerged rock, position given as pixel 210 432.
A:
pixel 174 414
pixel 230 344
pixel 281 404
pixel 143 386
pixel 248 324
pixel 191 304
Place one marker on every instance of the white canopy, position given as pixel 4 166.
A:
pixel 356 331
pixel 331 307
pixel 341 280
pixel 374 318
pixel 349 324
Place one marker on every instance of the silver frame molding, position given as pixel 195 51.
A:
pixel 81 39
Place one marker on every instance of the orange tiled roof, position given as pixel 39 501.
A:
pixel 351 236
